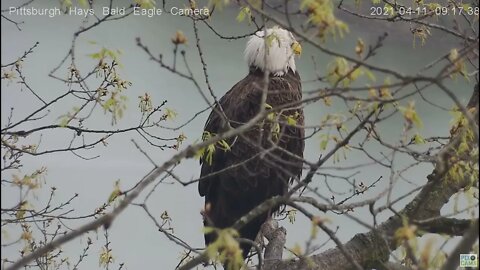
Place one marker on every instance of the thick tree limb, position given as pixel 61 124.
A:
pixel 277 237
pixel 372 249
pixel 470 237
pixel 450 226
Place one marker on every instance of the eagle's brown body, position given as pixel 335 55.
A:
pixel 252 178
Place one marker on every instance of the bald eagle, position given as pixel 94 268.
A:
pixel 261 162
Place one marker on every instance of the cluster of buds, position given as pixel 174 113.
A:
pixel 103 66
pixel 180 139
pixel 7 74
pixel 73 71
pixel 18 64
pixel 121 84
pixel 179 38
pixel 102 91
pixel 145 103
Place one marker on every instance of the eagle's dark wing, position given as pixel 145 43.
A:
pixel 235 106
pixel 254 169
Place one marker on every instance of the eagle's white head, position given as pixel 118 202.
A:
pixel 281 49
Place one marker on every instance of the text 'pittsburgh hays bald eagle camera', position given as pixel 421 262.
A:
pixel 262 161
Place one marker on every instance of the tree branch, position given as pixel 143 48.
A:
pixel 372 249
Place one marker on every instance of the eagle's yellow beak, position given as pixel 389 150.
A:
pixel 296 48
